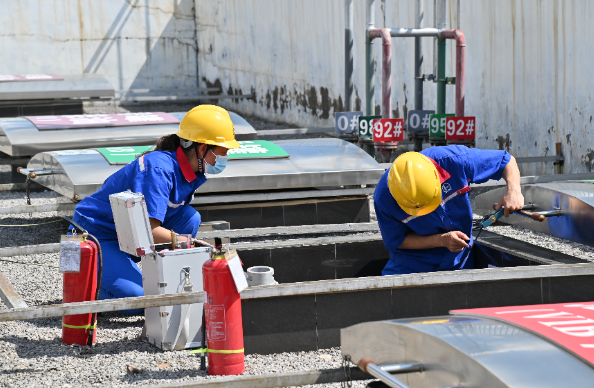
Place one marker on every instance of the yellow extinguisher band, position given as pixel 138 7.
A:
pixel 205 350
pixel 80 327
pixel 218 257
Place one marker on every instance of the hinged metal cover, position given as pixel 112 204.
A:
pixel 132 223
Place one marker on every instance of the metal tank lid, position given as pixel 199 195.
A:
pixel 20 137
pixel 466 350
pixel 312 163
pixel 72 86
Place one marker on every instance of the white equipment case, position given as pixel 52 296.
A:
pixel 165 272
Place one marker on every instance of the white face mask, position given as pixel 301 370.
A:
pixel 220 164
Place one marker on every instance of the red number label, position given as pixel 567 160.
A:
pixel 388 130
pixel 460 128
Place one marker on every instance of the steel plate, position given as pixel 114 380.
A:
pixel 575 200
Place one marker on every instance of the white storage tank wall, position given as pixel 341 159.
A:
pixel 527 71
pixel 528 62
pixel 134 43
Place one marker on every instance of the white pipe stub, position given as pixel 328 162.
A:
pixel 260 276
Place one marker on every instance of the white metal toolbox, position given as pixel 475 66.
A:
pixel 174 327
pixel 165 272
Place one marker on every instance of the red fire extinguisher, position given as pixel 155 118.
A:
pixel 224 329
pixel 80 287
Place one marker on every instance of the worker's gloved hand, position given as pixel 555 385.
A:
pixel 455 241
pixel 512 201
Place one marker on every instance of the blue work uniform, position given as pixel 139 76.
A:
pixel 167 181
pixel 457 166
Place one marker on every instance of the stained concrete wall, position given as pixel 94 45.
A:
pixel 134 43
pixel 528 66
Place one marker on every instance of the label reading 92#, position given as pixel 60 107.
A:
pixel 460 128
pixel 388 130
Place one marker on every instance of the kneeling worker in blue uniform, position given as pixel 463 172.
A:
pixel 423 209
pixel 168 178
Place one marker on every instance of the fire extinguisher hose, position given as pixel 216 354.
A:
pixel 99 273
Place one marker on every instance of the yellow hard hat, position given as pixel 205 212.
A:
pixel 208 124
pixel 414 183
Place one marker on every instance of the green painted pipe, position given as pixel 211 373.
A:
pixel 441 75
pixel 441 87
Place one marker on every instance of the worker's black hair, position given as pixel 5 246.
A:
pixel 172 142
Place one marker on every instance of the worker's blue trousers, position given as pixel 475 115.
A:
pixel 121 276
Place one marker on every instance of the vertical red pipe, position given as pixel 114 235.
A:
pixel 384 34
pixel 460 66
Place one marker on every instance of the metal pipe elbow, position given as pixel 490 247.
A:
pixel 383 33
pixel 454 34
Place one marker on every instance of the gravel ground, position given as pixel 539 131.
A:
pixel 43 234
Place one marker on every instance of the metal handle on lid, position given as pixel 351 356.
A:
pixel 368 366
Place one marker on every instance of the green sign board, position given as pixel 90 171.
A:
pixel 437 125
pixel 257 149
pixel 366 127
pixel 123 155
pixel 249 149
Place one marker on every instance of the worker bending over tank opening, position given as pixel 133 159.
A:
pixel 424 212
pixel 168 176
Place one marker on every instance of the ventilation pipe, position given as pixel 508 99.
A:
pixel 460 66
pixel 419 16
pixel 348 55
pixel 369 61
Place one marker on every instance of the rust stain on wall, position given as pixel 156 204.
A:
pixel 588 159
pixel 504 142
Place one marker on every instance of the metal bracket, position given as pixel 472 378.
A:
pixel 450 80
pixel 162 284
pixel 426 77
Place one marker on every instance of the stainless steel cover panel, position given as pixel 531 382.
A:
pixel 575 200
pixel 20 137
pixel 312 163
pixel 73 86
pixel 466 352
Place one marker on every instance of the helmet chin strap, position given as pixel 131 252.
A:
pixel 201 167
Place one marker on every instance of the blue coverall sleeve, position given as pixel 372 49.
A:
pixel 155 184
pixel 482 165
pixel 393 231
